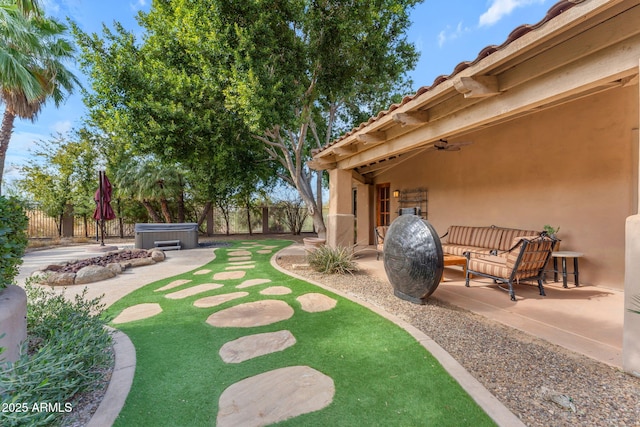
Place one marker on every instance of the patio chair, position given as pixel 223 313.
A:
pixel 379 233
pixel 527 263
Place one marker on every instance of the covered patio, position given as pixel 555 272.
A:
pixel 547 127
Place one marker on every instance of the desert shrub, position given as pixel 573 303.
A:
pixel 13 239
pixel 330 260
pixel 68 355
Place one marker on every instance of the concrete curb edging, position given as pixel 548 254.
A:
pixel 483 397
pixel 120 384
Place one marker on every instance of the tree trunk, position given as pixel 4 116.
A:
pixel 181 209
pixel 249 218
pixel 152 212
pixel 5 136
pixel 164 205
pixel 205 211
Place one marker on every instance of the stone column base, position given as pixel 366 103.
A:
pixel 340 230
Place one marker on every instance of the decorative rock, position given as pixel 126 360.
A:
pixel 139 262
pixel 61 279
pixel 158 255
pixel 228 275
pixel 194 290
pixel 115 267
pixel 93 273
pixel 258 313
pixel 138 312
pixel 313 303
pixel 252 282
pixel 40 277
pixel 173 284
pixel 255 402
pixel 216 300
pixel 276 290
pixel 251 346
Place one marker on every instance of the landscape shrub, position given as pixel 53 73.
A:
pixel 67 354
pixel 330 260
pixel 13 238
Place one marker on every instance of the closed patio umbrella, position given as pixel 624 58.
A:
pixel 102 197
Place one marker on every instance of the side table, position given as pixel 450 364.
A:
pixel 563 255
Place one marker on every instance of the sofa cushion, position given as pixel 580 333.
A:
pixel 487 237
pixel 460 235
pixel 494 266
pixel 449 248
pixel 509 234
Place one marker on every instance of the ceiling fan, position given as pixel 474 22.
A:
pixel 444 145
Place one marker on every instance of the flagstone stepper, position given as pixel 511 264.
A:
pixel 173 284
pixel 216 300
pixel 228 275
pixel 138 312
pixel 252 282
pixel 193 290
pixel 247 315
pixel 251 346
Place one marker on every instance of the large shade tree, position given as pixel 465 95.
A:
pixel 33 51
pixel 156 97
pixel 298 72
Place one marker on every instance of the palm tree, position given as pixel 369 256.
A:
pixel 32 51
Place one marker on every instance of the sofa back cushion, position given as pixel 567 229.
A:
pixel 510 237
pixel 487 237
pixel 460 235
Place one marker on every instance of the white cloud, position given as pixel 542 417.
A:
pixel 62 127
pixel 139 4
pixel 449 34
pixel 501 8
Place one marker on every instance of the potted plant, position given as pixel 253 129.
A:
pixel 551 232
pixel 13 299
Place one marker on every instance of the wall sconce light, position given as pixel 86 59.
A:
pixel 396 193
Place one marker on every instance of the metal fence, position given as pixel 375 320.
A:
pixel 44 226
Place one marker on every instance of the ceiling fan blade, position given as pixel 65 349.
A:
pixel 452 148
pixel 460 144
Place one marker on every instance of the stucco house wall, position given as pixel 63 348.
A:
pixel 570 166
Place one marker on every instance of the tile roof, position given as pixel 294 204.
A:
pixel 518 32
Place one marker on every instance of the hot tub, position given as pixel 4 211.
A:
pixel 148 235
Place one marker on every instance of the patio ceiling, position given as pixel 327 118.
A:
pixel 575 51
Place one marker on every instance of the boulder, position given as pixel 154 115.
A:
pixel 40 277
pixel 139 262
pixel 157 255
pixel 61 279
pixel 115 267
pixel 93 273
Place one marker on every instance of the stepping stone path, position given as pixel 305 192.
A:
pixel 256 402
pixel 173 284
pixel 250 314
pixel 251 346
pixel 138 312
pixel 272 396
pixel 314 303
pixel 194 290
pixel 252 282
pixel 228 275
pixel 201 272
pixel 215 300
pixel 276 290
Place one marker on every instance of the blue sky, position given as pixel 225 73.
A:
pixel 446 32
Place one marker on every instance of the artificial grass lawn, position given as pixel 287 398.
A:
pixel 382 376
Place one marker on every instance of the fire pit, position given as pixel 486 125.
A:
pixel 413 258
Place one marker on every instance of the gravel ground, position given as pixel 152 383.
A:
pixel 543 384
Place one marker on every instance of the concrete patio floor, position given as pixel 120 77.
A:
pixel 585 319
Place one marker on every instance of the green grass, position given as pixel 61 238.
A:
pixel 382 375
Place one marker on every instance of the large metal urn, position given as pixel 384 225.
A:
pixel 413 258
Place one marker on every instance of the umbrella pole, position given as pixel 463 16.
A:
pixel 101 177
